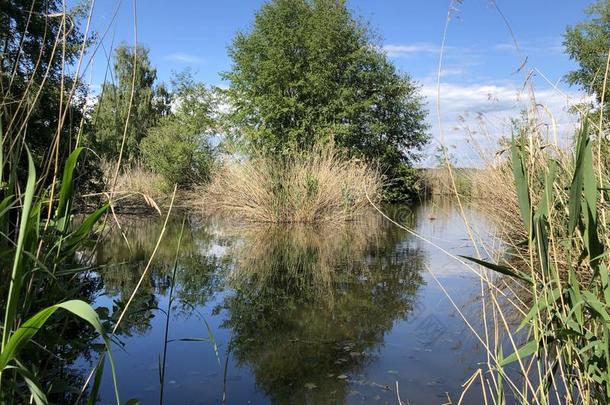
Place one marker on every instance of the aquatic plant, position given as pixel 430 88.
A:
pixel 566 320
pixel 321 186
pixel 41 255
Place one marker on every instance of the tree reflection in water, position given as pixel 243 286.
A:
pixel 311 304
pixel 308 306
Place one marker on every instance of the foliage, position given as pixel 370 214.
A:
pixel 587 44
pixel 563 211
pixel 41 255
pixel 34 88
pixel 308 72
pixel 128 105
pixel 178 147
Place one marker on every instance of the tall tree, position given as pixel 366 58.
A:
pixel 38 41
pixel 131 99
pixel 308 71
pixel 588 43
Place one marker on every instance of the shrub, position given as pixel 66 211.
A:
pixel 176 153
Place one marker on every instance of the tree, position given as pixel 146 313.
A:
pixel 178 147
pixel 38 106
pixel 307 72
pixel 588 43
pixel 116 104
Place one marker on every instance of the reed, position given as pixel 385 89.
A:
pixel 322 186
pixel 44 285
pixel 564 270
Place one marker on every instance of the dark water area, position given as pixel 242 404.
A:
pixel 268 314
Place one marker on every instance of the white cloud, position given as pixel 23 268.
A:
pixel 402 50
pixel 479 114
pixel 184 58
pixel 543 46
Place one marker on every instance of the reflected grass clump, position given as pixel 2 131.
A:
pixel 305 254
pixel 312 304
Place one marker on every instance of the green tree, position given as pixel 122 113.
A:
pixel 37 103
pixel 588 43
pixel 116 104
pixel 178 148
pixel 308 71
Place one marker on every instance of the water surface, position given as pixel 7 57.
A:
pixel 326 314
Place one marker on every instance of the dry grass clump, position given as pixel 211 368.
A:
pixel 500 203
pixel 438 181
pixel 319 187
pixel 136 186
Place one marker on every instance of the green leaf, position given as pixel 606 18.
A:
pixel 526 350
pixel 594 303
pixel 33 384
pixel 67 190
pixel 25 332
pixel 522 186
pixel 97 381
pixel 73 240
pixel 575 203
pixel 16 275
pixel 500 269
pixel 212 340
pixel 547 199
pixel 23 335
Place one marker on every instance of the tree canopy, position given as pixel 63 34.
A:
pixel 308 71
pixel 588 43
pixel 132 71
pixel 41 102
pixel 178 147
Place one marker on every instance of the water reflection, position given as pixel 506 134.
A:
pixel 311 304
pixel 126 252
pixel 301 314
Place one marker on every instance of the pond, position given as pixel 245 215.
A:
pixel 324 314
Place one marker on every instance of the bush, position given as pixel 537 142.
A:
pixel 177 154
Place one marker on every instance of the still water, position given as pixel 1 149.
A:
pixel 267 314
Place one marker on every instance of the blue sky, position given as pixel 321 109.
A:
pixel 480 61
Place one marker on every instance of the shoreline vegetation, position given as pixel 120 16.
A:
pixel 308 136
pixel 321 186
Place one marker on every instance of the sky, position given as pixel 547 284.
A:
pixel 481 83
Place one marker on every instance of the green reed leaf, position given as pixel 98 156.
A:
pixel 15 284
pixel 526 350
pixel 500 269
pixel 522 186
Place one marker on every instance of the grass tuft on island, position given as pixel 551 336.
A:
pixel 320 186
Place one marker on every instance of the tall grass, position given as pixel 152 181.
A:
pixel 550 206
pixel 136 188
pixel 44 287
pixel 437 181
pixel 562 265
pixel 322 186
pixel 42 254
